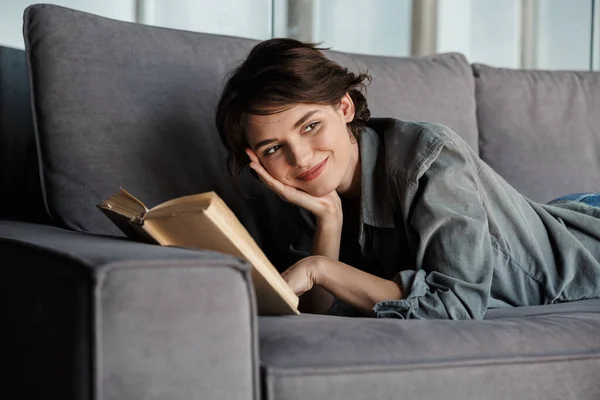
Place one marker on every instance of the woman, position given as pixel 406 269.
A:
pixel 423 227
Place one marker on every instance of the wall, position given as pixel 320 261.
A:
pixel 247 18
pixel 564 34
pixel 351 26
pixel 490 32
pixel 11 15
pixel 487 31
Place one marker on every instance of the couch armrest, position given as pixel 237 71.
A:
pixel 100 317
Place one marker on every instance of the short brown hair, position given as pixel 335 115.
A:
pixel 276 75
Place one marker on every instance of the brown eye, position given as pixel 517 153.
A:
pixel 312 126
pixel 271 150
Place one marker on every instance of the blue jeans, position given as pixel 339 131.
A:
pixel 593 199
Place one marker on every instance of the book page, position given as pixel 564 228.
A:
pixel 124 204
pixel 133 199
pixel 182 204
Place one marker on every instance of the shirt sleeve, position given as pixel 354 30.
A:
pixel 452 243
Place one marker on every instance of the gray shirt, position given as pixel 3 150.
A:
pixel 457 237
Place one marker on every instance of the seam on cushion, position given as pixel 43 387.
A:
pixel 542 314
pixel 318 371
pixel 267 377
pixel 476 72
pixel 99 280
pixel 92 266
pixel 53 251
pixel 237 263
pixel 33 100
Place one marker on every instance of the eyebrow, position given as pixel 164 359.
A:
pixel 296 125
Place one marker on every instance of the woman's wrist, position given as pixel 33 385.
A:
pixel 321 267
pixel 330 214
pixel 330 222
pixel 326 241
pixel 357 288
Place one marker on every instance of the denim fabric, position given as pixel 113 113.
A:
pixel 456 237
pixel 593 199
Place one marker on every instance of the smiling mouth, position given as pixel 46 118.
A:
pixel 314 172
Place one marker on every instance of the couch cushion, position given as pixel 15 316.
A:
pixel 547 352
pixel 540 130
pixel 121 104
pixel 437 88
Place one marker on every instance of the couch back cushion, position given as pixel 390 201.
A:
pixel 540 130
pixel 438 88
pixel 121 104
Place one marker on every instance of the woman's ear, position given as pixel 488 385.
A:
pixel 346 108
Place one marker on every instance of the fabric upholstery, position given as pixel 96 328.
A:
pixel 121 104
pixel 547 355
pixel 107 318
pixel 437 88
pixel 540 130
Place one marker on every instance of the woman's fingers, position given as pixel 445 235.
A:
pixel 288 193
pixel 263 174
pixel 257 166
pixel 300 276
pixel 267 178
pixel 252 155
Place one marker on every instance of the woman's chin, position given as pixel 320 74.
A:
pixel 318 190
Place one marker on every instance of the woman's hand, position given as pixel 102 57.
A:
pixel 302 276
pixel 325 209
pixel 356 288
pixel 326 242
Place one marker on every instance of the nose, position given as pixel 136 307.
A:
pixel 300 155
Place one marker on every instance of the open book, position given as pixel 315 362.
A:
pixel 202 221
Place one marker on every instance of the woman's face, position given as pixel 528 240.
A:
pixel 307 146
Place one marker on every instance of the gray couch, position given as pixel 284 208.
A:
pixel 96 316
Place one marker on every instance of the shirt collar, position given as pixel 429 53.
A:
pixel 376 206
